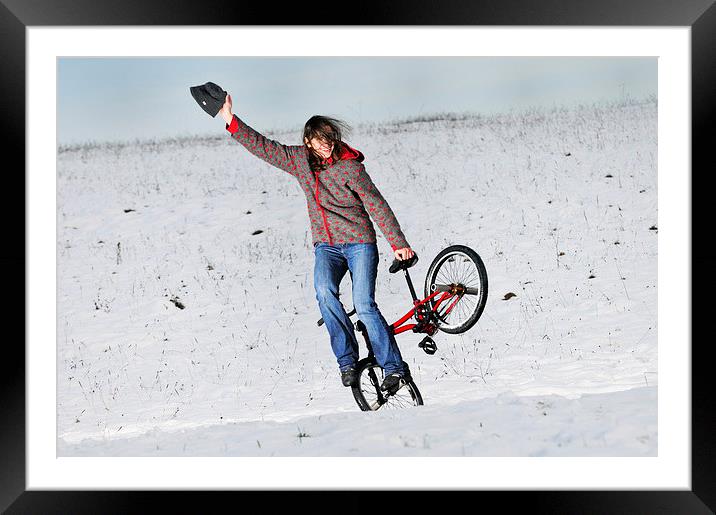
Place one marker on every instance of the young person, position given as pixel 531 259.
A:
pixel 341 200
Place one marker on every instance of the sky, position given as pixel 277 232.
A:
pixel 124 99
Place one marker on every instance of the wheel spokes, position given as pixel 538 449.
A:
pixel 457 270
pixel 376 399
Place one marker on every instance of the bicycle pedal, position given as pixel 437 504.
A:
pixel 428 345
pixel 389 392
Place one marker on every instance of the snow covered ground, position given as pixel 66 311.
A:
pixel 180 332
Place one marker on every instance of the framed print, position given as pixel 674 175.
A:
pixel 172 337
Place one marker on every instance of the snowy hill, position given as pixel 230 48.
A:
pixel 182 332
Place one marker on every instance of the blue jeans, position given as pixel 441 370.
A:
pixel 361 259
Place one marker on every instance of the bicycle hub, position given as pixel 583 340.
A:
pixel 457 289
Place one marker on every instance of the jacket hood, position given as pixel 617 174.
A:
pixel 351 153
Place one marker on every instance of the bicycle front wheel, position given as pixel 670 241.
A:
pixel 459 269
pixel 370 397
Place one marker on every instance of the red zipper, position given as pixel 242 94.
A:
pixel 325 222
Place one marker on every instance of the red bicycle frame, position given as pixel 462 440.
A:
pixel 421 314
pixel 446 295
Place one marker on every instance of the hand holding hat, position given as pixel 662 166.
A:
pixel 225 111
pixel 210 97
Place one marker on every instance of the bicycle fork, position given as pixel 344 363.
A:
pixel 381 397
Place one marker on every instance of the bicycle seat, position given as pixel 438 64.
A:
pixel 404 264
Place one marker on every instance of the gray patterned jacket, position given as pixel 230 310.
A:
pixel 339 198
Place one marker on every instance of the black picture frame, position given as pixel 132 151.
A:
pixel 17 15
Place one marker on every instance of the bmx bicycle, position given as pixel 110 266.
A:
pixel 455 297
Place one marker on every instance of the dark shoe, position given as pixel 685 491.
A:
pixel 392 382
pixel 349 376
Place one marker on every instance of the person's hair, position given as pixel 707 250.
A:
pixel 325 128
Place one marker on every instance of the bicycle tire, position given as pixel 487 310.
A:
pixel 367 391
pixel 475 311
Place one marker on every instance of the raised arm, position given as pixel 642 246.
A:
pixel 378 208
pixel 273 152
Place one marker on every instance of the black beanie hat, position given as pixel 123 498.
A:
pixel 210 97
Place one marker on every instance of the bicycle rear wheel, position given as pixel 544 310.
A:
pixel 459 268
pixel 369 396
